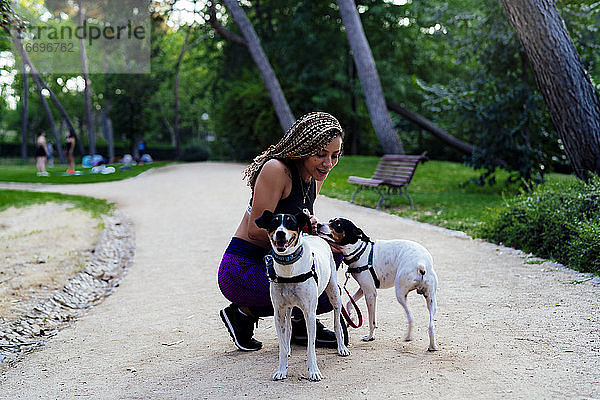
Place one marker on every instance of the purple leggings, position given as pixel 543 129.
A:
pixel 243 279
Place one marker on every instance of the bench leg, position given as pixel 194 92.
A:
pixel 404 193
pixel 380 202
pixel 358 189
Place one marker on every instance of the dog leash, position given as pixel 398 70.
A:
pixel 345 313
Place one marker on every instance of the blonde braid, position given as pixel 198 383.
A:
pixel 309 134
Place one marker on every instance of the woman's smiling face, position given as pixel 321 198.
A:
pixel 319 165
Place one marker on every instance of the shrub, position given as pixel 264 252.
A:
pixel 195 152
pixel 559 221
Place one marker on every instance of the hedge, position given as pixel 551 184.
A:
pixel 559 221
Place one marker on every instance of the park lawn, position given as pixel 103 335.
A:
pixel 21 198
pixel 27 173
pixel 440 190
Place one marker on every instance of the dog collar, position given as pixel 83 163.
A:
pixel 289 259
pixel 273 277
pixel 369 266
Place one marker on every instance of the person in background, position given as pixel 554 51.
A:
pixel 41 154
pixel 69 150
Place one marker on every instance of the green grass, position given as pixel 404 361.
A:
pixel 22 198
pixel 439 190
pixel 17 172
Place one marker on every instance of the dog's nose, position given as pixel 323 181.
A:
pixel 280 235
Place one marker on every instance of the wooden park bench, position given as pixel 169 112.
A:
pixel 392 176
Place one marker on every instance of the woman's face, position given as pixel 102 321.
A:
pixel 319 165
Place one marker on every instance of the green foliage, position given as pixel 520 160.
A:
pixel 498 107
pixel 195 152
pixel 582 19
pixel 559 220
pixel 245 120
pixel 439 190
pixel 196 78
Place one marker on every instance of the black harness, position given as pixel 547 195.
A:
pixel 287 260
pixel 352 258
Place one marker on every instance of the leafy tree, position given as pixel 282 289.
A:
pixel 369 78
pixel 282 109
pixel 571 97
pixel 494 102
pixel 196 77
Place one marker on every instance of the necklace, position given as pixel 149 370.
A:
pixel 306 192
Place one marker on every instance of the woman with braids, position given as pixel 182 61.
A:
pixel 284 179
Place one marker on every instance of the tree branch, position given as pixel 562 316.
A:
pixel 221 30
pixel 430 127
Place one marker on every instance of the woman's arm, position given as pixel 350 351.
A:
pixel 272 184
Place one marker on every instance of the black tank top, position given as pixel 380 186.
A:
pixel 301 196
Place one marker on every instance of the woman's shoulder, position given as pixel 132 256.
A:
pixel 274 173
pixel 275 167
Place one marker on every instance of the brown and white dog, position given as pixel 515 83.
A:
pixel 403 264
pixel 300 268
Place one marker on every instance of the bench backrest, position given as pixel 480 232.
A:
pixel 397 170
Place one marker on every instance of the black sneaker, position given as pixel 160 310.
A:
pixel 241 328
pixel 325 338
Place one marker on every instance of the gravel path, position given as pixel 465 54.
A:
pixel 506 328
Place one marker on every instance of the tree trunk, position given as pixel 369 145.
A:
pixel 38 84
pixel 282 109
pixel 55 134
pixel 353 125
pixel 369 79
pixel 107 131
pixel 16 38
pixel 86 91
pixel 24 113
pixel 176 99
pixel 432 128
pixel 571 98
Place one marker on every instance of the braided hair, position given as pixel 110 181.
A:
pixel 305 138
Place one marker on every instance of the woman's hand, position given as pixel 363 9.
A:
pixel 313 224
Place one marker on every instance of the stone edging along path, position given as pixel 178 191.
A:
pixel 104 270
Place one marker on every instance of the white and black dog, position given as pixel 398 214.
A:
pixel 299 269
pixel 403 264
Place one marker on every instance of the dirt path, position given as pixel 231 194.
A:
pixel 505 328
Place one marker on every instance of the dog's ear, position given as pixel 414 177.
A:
pixel 302 220
pixel 361 235
pixel 264 220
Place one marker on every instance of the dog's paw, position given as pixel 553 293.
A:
pixel 407 338
pixel 343 351
pixel 314 374
pixel 279 375
pixel 432 348
pixel 368 338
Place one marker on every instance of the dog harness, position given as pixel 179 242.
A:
pixel 352 258
pixel 287 260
